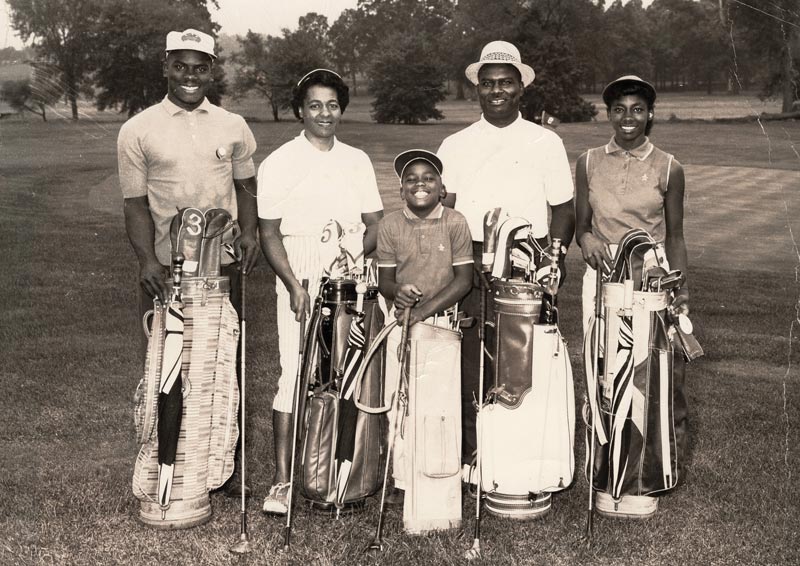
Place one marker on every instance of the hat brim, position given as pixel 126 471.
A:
pixel 626 80
pixel 525 71
pixel 168 51
pixel 404 159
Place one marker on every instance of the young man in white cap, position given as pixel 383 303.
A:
pixel 502 161
pixel 186 152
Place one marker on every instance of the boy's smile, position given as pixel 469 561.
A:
pixel 421 187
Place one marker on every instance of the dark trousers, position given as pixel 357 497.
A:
pixel 471 359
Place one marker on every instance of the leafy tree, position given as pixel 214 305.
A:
pixel 34 94
pixel 475 23
pixel 348 48
pixel 406 82
pixel 772 29
pixel 129 67
pixel 271 65
pixel 64 32
pixel 555 89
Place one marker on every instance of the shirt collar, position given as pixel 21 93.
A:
pixel 311 146
pixel 639 153
pixel 173 109
pixel 488 125
pixel 435 214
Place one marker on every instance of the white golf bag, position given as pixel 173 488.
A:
pixel 527 421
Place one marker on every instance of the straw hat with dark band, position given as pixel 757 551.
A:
pixel 503 53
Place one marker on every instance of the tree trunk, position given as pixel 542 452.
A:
pixel 73 102
pixel 355 84
pixel 788 73
pixel 275 116
pixel 459 89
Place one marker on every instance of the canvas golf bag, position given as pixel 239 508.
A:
pixel 630 379
pixel 527 421
pixel 428 437
pixel 206 389
pixel 342 447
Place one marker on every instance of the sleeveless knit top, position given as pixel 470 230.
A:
pixel 627 189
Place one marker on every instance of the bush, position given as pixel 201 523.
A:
pixel 406 82
pixel 555 89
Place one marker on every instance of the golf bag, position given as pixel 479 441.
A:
pixel 204 430
pixel 532 391
pixel 527 422
pixel 342 447
pixel 429 442
pixel 631 394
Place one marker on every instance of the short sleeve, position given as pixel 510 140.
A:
pixel 449 167
pixel 131 162
pixel 242 158
pixel 558 184
pixel 460 240
pixel 387 249
pixel 368 186
pixel 272 193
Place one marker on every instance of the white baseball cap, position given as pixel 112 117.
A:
pixel 502 53
pixel 192 40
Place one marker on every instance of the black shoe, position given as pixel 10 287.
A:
pixel 233 488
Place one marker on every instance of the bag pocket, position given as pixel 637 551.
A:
pixel 440 447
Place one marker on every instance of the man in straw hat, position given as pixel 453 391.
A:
pixel 503 161
pixel 186 152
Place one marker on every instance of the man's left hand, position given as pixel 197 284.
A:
pixel 247 250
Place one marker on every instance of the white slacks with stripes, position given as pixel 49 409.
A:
pixel 303 254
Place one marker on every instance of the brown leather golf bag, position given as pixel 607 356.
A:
pixel 342 447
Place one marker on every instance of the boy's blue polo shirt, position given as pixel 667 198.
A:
pixel 424 250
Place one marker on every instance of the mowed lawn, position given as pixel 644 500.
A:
pixel 69 339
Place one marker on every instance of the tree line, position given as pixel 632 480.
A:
pixel 405 53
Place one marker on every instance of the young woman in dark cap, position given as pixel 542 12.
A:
pixel 629 183
pixel 303 186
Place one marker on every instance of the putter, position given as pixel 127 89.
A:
pixel 475 551
pixel 287 530
pixel 598 311
pixel 377 543
pixel 243 546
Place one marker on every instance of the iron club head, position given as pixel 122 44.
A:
pixel 241 547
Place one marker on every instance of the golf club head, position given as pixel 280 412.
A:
pixel 474 552
pixel 241 547
pixel 374 547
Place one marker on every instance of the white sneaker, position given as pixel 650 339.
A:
pixel 277 501
pixel 627 507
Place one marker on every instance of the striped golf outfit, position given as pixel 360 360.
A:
pixel 307 188
pixel 303 255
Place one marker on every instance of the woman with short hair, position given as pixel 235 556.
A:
pixel 630 183
pixel 303 186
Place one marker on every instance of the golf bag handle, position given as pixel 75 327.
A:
pixel 376 343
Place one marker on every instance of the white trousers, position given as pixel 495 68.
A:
pixel 303 254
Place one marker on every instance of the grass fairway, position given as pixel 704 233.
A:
pixel 69 336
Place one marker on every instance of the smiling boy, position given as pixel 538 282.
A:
pixel 425 249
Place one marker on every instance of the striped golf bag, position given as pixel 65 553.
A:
pixel 206 442
pixel 342 447
pixel 527 422
pixel 630 380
